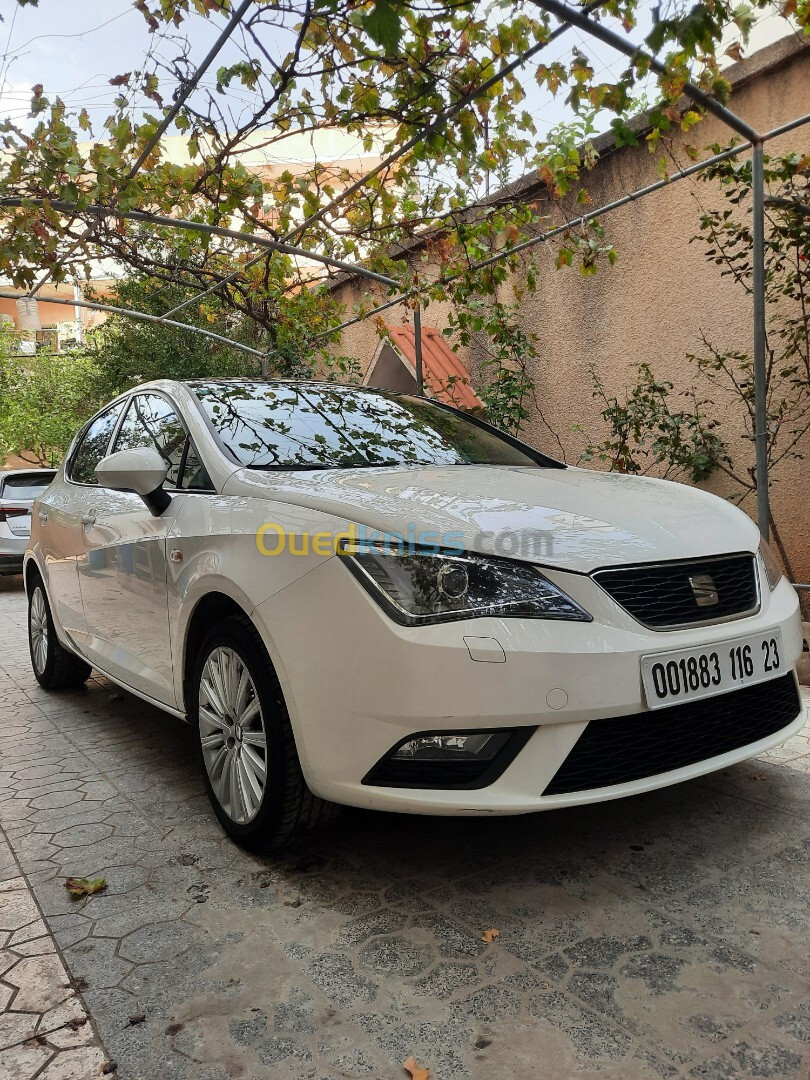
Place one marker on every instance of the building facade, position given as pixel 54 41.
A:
pixel 655 305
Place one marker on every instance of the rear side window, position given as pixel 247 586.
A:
pixel 151 421
pixel 93 446
pixel 25 486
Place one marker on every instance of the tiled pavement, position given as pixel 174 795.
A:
pixel 44 1027
pixel 665 935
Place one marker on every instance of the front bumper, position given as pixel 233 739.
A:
pixel 357 684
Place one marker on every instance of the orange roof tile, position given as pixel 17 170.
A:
pixel 439 365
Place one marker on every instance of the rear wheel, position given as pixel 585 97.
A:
pixel 54 667
pixel 247 751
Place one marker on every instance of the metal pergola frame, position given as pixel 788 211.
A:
pixel 568 17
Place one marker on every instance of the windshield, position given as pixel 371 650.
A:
pixel 25 487
pixel 312 425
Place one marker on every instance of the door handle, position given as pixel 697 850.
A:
pixel 89 519
pixel 43 517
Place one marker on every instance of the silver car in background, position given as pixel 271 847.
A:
pixel 18 490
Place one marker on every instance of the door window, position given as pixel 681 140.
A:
pixel 151 421
pixel 93 446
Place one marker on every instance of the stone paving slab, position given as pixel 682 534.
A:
pixel 660 936
pixel 45 1030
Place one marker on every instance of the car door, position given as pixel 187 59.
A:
pixel 122 560
pixel 56 521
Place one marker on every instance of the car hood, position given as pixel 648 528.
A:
pixel 575 519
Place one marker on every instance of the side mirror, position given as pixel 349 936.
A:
pixel 141 470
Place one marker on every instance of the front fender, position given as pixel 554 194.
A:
pixel 213 546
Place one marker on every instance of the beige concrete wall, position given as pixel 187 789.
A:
pixel 652 305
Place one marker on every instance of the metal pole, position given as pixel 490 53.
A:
pixel 97 211
pixel 188 89
pixel 435 125
pixel 417 347
pixel 558 230
pixel 783 129
pixel 577 17
pixel 760 338
pixel 190 86
pixel 623 200
pixel 143 317
pixel 361 318
pixel 77 295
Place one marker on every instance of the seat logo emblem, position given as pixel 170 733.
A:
pixel 704 590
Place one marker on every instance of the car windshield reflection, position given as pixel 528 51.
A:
pixel 326 426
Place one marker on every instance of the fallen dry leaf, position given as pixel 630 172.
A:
pixel 489 936
pixel 416 1071
pixel 82 886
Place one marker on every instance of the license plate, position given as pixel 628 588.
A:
pixel 707 670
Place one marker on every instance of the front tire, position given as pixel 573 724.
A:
pixel 54 667
pixel 245 742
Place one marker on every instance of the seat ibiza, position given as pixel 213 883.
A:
pixel 373 599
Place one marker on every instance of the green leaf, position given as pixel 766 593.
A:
pixel 382 26
pixel 82 886
pixel 624 135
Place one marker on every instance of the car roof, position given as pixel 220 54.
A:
pixel 314 384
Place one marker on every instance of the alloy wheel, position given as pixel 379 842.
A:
pixel 232 734
pixel 38 629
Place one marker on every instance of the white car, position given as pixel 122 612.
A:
pixel 373 599
pixel 18 490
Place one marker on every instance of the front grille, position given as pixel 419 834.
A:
pixel 662 596
pixel 627 748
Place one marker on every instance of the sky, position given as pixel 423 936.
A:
pixel 74 47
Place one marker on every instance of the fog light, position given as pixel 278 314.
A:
pixel 482 746
pixel 449 759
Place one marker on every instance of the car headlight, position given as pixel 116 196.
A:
pixel 417 586
pixel 773 571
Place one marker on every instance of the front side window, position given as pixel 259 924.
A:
pixel 151 421
pixel 93 446
pixel 307 425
